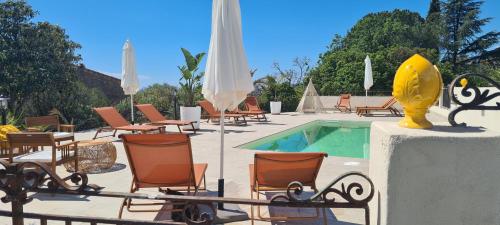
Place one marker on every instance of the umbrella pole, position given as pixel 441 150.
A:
pixel 221 175
pixel 366 97
pixel 132 107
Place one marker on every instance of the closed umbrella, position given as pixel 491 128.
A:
pixel 368 77
pixel 130 82
pixel 227 79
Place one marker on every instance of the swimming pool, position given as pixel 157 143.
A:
pixel 337 138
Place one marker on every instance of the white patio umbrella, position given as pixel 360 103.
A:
pixel 368 78
pixel 227 79
pixel 130 82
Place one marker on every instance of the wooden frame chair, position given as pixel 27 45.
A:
pixel 116 122
pixel 274 171
pixel 156 118
pixel 213 114
pixel 161 161
pixel 32 124
pixel 26 141
pixel 344 103
pixel 387 106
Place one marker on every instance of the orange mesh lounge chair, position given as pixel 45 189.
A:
pixel 387 106
pixel 215 115
pixel 161 161
pixel 116 122
pixel 157 118
pixel 274 171
pixel 344 103
pixel 253 109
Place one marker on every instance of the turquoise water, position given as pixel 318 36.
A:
pixel 337 138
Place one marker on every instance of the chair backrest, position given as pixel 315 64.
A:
pixel 344 100
pixel 51 121
pixel 279 169
pixel 208 107
pixel 158 160
pixel 389 103
pixel 111 116
pixel 151 112
pixel 252 104
pixel 34 139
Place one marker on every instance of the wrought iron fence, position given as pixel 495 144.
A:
pixel 351 190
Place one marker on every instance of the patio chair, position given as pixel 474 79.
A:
pixel 63 132
pixel 387 106
pixel 213 114
pixel 156 118
pixel 253 109
pixel 116 122
pixel 161 161
pixel 344 103
pixel 25 142
pixel 274 171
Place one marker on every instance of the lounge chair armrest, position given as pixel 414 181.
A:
pixel 70 128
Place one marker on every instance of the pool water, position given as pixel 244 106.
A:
pixel 337 138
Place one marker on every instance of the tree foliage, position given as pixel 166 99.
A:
pixel 388 38
pixel 38 67
pixel 464 42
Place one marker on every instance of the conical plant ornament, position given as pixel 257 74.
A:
pixel 417 86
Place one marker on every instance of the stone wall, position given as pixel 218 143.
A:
pixel 110 86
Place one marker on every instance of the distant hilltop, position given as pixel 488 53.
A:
pixel 108 85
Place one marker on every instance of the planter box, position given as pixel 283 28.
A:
pixel 191 114
pixel 275 107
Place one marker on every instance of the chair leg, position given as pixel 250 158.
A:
pixel 179 127
pixel 251 207
pixel 114 133
pixel 97 132
pixel 194 130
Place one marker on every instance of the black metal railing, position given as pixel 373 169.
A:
pixel 479 98
pixel 351 190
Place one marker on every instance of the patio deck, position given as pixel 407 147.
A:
pixel 206 149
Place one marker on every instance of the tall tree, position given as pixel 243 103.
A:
pixel 434 9
pixel 464 42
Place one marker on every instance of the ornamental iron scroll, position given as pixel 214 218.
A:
pixel 479 98
pixel 351 190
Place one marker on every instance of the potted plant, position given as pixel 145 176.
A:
pixel 190 83
pixel 275 104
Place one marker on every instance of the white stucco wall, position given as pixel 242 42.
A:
pixel 441 176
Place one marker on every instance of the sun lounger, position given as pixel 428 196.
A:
pixel 253 109
pixel 213 114
pixel 275 171
pixel 161 161
pixel 35 141
pixel 116 122
pixel 156 118
pixel 344 103
pixel 387 106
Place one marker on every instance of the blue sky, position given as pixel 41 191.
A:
pixel 273 30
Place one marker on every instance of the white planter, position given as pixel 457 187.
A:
pixel 191 114
pixel 275 107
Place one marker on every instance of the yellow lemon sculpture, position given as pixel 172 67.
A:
pixel 417 86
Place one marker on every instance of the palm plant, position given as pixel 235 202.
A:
pixel 191 80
